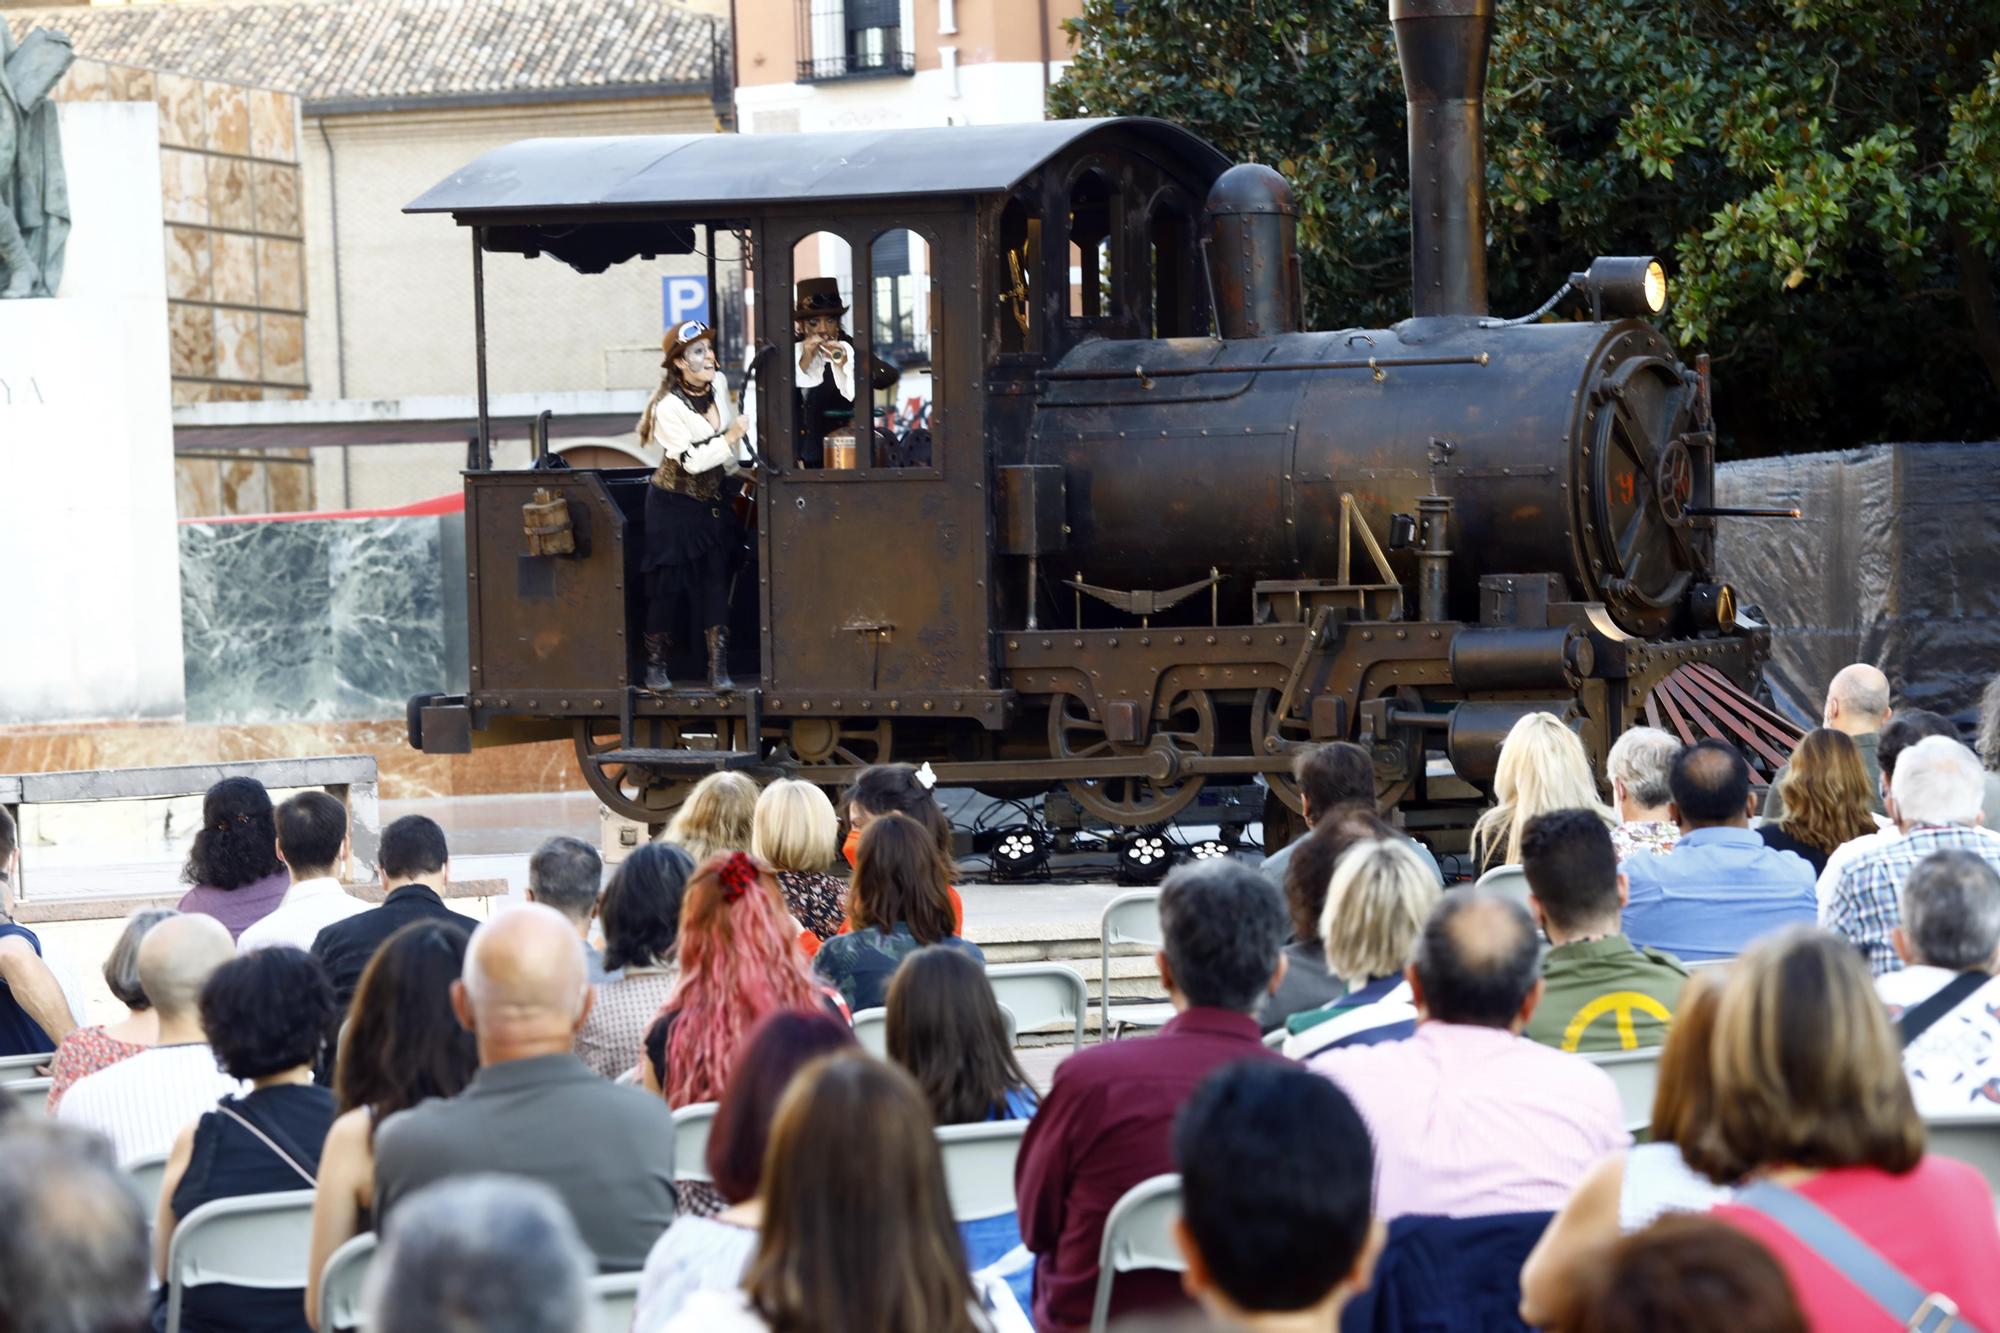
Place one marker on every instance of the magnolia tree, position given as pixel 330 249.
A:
pixel 1822 177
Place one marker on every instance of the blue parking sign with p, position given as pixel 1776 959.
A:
pixel 684 298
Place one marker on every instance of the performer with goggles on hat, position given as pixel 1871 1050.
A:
pixel 691 533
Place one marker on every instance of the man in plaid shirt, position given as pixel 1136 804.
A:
pixel 1934 796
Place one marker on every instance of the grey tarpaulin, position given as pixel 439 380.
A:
pixel 1896 562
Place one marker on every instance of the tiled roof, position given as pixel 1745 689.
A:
pixel 356 50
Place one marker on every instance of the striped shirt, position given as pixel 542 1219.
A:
pixel 1476 1121
pixel 1867 899
pixel 142 1103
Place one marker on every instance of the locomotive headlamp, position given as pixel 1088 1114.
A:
pixel 1623 286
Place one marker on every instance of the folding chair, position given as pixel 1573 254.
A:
pixel 146 1175
pixel 1706 964
pixel 691 1126
pixel 257 1240
pixel 341 1283
pixel 32 1094
pixel 871 1029
pixel 1635 1073
pixel 1042 993
pixel 1508 882
pixel 21 1068
pixel 1974 1140
pixel 1130 918
pixel 979 1167
pixel 614 1299
pixel 1138 1233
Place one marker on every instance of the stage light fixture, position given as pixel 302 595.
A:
pixel 1145 859
pixel 1210 849
pixel 1022 850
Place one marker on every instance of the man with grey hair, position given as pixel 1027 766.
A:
pixel 1934 797
pixel 76 1258
pixel 1638 765
pixel 142 1102
pixel 1515 1123
pixel 485 1254
pixel 1857 702
pixel 1946 997
pixel 534 1109
pixel 568 875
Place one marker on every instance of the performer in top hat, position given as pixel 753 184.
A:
pixel 824 374
pixel 690 530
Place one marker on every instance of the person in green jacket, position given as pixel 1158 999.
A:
pixel 1600 991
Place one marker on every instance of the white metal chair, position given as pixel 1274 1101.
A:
pixel 691 1126
pixel 21 1068
pixel 146 1174
pixel 979 1167
pixel 1636 1074
pixel 341 1284
pixel 1276 1039
pixel 1974 1140
pixel 1042 993
pixel 1508 882
pixel 871 1029
pixel 1130 918
pixel 1138 1233
pixel 614 1299
pixel 258 1240
pixel 1707 964
pixel 31 1094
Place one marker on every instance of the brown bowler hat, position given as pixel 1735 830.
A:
pixel 681 337
pixel 819 296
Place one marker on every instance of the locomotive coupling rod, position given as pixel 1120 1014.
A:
pixel 1712 512
pixel 1181 372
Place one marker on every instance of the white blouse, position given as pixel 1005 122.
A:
pixel 688 438
pixel 810 374
pixel 1659 1181
pixel 695 1254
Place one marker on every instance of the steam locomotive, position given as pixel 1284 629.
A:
pixel 1164 535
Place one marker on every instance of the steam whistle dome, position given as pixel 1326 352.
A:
pixel 1253 228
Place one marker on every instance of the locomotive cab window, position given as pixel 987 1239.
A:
pixel 1093 251
pixel 864 336
pixel 1172 268
pixel 1017 280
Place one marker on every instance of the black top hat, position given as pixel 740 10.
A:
pixel 819 296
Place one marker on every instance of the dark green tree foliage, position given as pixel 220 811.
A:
pixel 1821 176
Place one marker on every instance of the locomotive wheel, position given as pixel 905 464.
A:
pixel 1188 727
pixel 1265 728
pixel 631 790
pixel 831 740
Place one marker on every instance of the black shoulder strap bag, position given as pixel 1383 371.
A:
pixel 1920 1018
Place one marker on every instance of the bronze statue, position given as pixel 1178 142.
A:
pixel 34 192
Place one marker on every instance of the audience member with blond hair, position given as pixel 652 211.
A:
pixel 852 1140
pixel 1810 1103
pixel 716 817
pixel 797 833
pixel 89 1049
pixel 1375 909
pixel 1680 1274
pixel 900 902
pixel 1309 867
pixel 1826 797
pixel 1626 1191
pixel 1542 767
pixel 1637 765
pixel 641 916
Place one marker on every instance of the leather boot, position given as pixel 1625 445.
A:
pixel 718 660
pixel 659 651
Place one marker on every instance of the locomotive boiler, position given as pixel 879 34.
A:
pixel 1162 534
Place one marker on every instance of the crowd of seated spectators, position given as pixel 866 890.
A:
pixel 1439 1141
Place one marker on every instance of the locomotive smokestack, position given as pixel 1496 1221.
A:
pixel 1442 46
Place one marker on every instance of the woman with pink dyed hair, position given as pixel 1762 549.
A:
pixel 739 962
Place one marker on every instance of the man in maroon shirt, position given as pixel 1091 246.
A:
pixel 1107 1122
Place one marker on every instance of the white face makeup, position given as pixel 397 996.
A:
pixel 697 363
pixel 823 326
